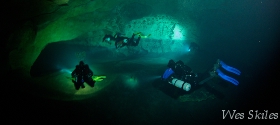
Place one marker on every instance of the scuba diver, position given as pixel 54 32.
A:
pixel 183 77
pixel 128 42
pixel 121 41
pixel 82 74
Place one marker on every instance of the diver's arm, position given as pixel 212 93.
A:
pixel 74 73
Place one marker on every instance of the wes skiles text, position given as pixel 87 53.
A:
pixel 251 114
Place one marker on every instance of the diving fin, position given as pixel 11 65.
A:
pixel 98 78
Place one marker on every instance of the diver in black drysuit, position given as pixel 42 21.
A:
pixel 82 74
pixel 184 73
pixel 129 42
pixel 121 41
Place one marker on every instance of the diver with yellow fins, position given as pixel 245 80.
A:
pixel 83 73
pixel 121 41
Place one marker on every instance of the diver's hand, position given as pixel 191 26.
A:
pixel 74 75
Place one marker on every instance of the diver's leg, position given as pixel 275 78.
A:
pixel 132 37
pixel 82 85
pixel 131 41
pixel 137 41
pixel 116 44
pixel 90 83
pixel 76 85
